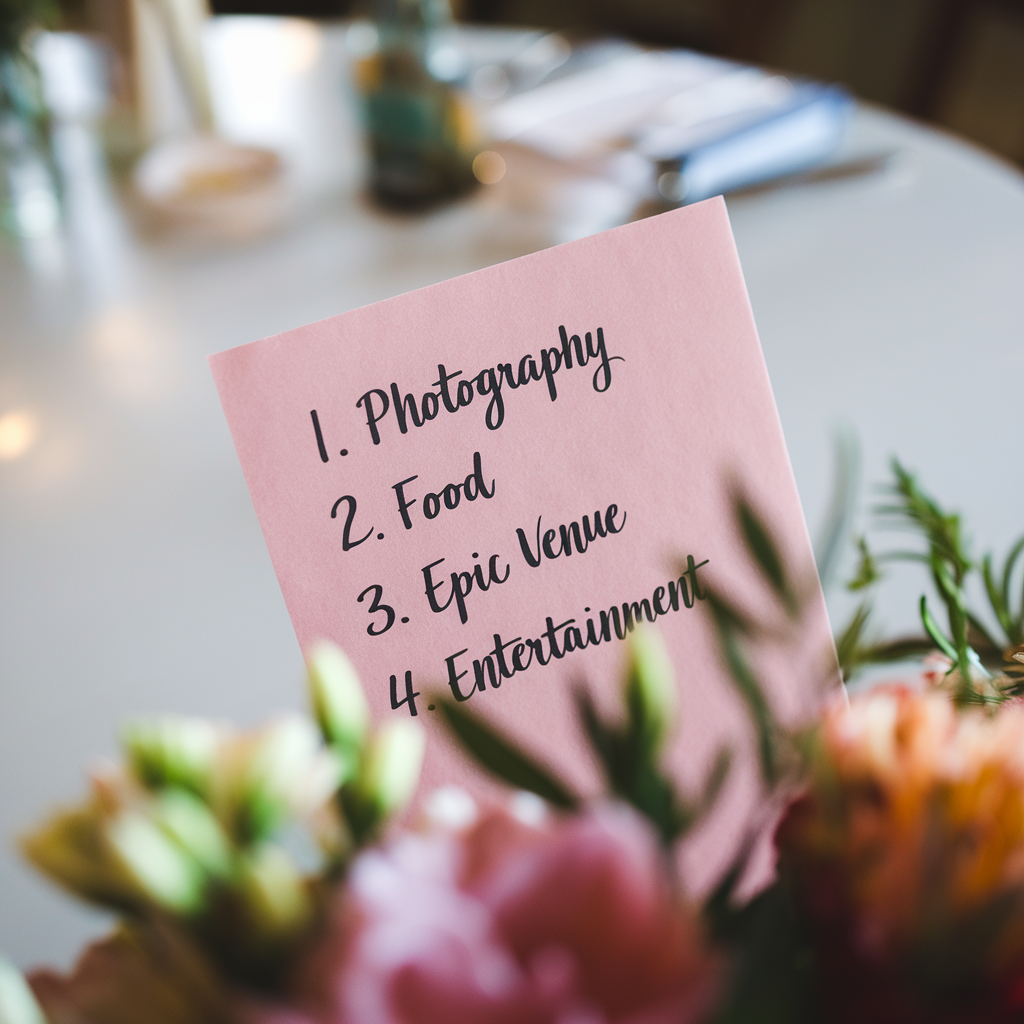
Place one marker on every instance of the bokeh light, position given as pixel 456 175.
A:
pixel 489 167
pixel 18 431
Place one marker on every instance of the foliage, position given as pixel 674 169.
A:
pixel 986 666
pixel 984 661
pixel 628 752
pixel 770 977
pixel 900 886
pixel 908 803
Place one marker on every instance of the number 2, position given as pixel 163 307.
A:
pixel 376 606
pixel 346 544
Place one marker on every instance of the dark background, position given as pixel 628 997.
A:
pixel 956 63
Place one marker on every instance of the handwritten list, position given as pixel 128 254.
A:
pixel 479 488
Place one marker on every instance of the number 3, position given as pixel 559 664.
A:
pixel 376 606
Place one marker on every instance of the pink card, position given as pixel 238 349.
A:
pixel 475 489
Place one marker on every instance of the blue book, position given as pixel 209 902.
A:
pixel 804 131
pixel 675 122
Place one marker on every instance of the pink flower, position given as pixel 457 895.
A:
pixel 507 924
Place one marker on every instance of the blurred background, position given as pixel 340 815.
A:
pixel 954 63
pixel 175 181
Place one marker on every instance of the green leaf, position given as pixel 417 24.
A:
pixel 935 632
pixel 720 915
pixel 995 597
pixel 1014 624
pixel 867 570
pixel 901 648
pixel 502 758
pixel 923 514
pixel 715 780
pixel 750 690
pixel 949 589
pixel 603 740
pixel 728 615
pixel 1008 566
pixel 654 796
pixel 848 643
pixel 630 766
pixel 762 547
pixel 841 508
pixel 772 974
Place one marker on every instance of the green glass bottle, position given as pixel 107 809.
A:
pixel 421 131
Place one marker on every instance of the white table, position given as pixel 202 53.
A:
pixel 133 576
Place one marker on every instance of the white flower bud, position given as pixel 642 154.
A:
pixel 338 702
pixel 191 823
pixel 159 868
pixel 651 680
pixel 270 775
pixel 393 765
pixel 274 890
pixel 172 751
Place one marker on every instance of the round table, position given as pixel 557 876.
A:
pixel 134 575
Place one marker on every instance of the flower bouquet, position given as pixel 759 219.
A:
pixel 256 881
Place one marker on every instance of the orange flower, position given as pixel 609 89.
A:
pixel 907 851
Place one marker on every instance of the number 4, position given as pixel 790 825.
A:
pixel 409 698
